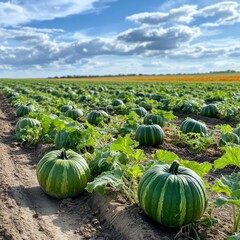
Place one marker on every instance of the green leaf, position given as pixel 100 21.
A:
pixel 111 178
pixel 200 168
pixel 164 156
pixel 208 222
pixel 236 236
pixel 139 156
pixel 220 201
pixel 232 181
pixel 220 187
pixel 234 201
pixel 231 157
pixel 135 171
pixel 225 128
pixel 123 144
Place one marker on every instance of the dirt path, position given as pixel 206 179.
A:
pixel 26 212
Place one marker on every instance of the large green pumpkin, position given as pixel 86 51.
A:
pixel 96 116
pixel 26 122
pixel 193 126
pixel 172 195
pixel 149 135
pixel 75 114
pixel 153 119
pixel 24 110
pixel 63 174
pixel 210 110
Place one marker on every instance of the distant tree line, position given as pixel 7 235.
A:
pixel 140 74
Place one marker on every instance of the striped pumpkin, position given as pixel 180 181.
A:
pixel 96 116
pixel 172 195
pixel 149 135
pixel 193 126
pixel 117 102
pixel 140 111
pixel 153 119
pixel 75 114
pixel 26 122
pixel 24 110
pixel 210 110
pixel 65 108
pixel 63 174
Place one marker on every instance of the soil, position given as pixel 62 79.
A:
pixel 26 212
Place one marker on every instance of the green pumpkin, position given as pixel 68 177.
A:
pixel 140 111
pixel 75 114
pixel 96 116
pixel 153 119
pixel 172 195
pixel 65 108
pixel 26 122
pixel 149 135
pixel 117 102
pixel 193 126
pixel 63 174
pixel 24 110
pixel 210 110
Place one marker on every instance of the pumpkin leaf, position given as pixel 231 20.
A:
pixel 220 187
pixel 164 156
pixel 231 157
pixel 220 201
pixel 229 185
pixel 135 171
pixel 123 144
pixel 236 236
pixel 110 178
pixel 200 168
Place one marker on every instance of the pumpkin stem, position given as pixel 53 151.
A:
pixel 63 154
pixel 174 167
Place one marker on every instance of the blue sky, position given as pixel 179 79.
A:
pixel 99 37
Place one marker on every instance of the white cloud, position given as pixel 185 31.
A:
pixel 181 14
pixel 24 11
pixel 158 35
pixel 225 13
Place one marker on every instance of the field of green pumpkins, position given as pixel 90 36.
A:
pixel 164 157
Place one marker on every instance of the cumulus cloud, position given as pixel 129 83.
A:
pixel 160 38
pixel 173 35
pixel 23 11
pixel 182 14
pixel 225 13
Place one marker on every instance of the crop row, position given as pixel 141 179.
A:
pixel 113 125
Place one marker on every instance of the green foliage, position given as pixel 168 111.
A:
pixel 110 178
pixel 230 157
pixel 195 141
pixel 229 185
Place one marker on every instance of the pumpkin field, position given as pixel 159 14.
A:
pixel 132 158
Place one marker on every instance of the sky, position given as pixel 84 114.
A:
pixel 50 38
